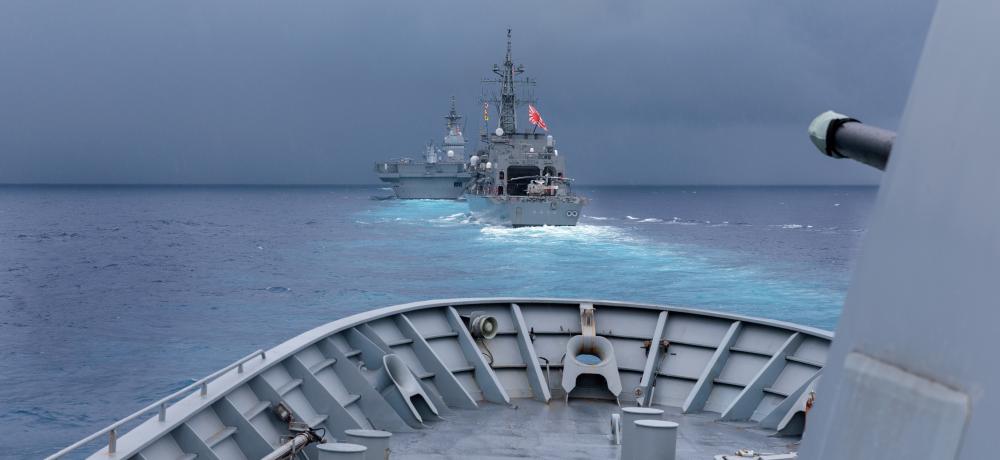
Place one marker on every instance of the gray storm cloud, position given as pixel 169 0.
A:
pixel 313 92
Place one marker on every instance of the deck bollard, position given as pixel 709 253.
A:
pixel 377 442
pixel 653 440
pixel 341 451
pixel 629 416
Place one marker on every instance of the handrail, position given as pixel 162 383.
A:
pixel 112 430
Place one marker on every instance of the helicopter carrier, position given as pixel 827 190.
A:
pixel 442 174
pixel 519 177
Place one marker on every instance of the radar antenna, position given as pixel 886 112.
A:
pixel 508 99
pixel 453 120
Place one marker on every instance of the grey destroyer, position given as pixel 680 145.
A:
pixel 442 174
pixel 519 178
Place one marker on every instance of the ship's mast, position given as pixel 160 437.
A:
pixel 453 120
pixel 508 97
pixel 507 100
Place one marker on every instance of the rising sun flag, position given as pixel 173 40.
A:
pixel 536 118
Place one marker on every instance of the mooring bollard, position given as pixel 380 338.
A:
pixel 653 440
pixel 341 451
pixel 377 442
pixel 629 416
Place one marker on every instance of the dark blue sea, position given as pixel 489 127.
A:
pixel 112 297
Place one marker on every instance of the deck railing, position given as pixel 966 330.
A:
pixel 161 406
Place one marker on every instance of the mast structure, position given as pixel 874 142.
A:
pixel 507 100
pixel 453 120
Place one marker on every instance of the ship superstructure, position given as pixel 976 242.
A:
pixel 519 177
pixel 442 173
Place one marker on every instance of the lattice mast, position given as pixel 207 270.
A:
pixel 508 100
pixel 453 119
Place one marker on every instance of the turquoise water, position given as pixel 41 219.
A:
pixel 597 259
pixel 112 297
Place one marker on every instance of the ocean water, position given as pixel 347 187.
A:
pixel 112 297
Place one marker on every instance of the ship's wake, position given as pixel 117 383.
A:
pixel 581 233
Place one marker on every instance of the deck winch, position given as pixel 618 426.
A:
pixel 301 435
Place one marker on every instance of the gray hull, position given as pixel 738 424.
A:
pixel 428 188
pixel 526 211
pixel 442 174
pixel 428 181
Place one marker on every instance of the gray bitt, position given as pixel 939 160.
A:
pixel 519 178
pixel 442 174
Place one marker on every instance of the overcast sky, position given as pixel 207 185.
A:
pixel 313 92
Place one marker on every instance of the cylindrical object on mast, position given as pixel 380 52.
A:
pixel 840 136
pixel 867 144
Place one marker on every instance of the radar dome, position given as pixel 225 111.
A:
pixel 451 154
pixel 489 165
pixel 499 131
pixel 474 160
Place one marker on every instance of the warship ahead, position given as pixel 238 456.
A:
pixel 907 376
pixel 442 175
pixel 519 178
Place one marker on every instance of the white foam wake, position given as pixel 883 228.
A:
pixel 578 234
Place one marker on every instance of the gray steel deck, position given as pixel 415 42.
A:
pixel 750 372
pixel 531 429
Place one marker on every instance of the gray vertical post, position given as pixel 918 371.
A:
pixel 493 391
pixel 341 451
pixel 453 393
pixel 653 440
pixel 649 373
pixel 377 442
pixel 703 387
pixel 538 384
pixel 743 406
pixel 629 416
